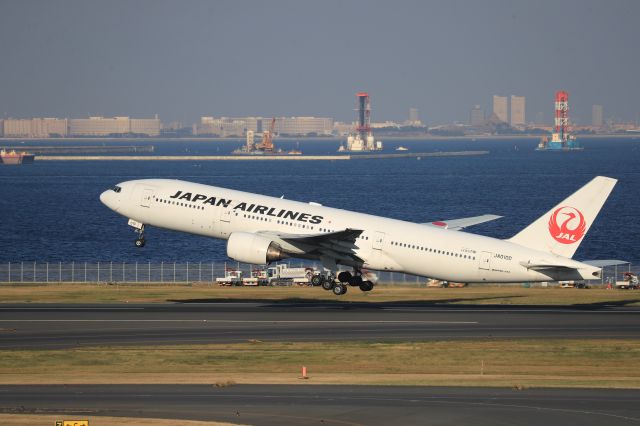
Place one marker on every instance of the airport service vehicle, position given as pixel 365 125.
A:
pixel 444 284
pixel 284 275
pixel 231 277
pixel 573 284
pixel 262 230
pixel 258 277
pixel 629 282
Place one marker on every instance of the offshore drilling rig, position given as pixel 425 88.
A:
pixel 561 139
pixel 363 139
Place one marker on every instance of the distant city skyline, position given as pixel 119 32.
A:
pixel 183 60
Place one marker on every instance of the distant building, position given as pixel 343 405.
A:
pixel 342 129
pixel 114 126
pixel 517 111
pixel 597 118
pixel 476 116
pixel 303 125
pixel 35 128
pixel 500 108
pixel 49 127
pixel 17 128
pixel 227 127
pixel 384 124
pixel 414 117
pixel 145 126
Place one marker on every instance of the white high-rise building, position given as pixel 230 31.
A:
pixel 500 108
pixel 476 116
pixel 414 117
pixel 517 111
pixel 597 116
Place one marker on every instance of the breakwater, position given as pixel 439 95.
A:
pixel 254 157
pixel 86 149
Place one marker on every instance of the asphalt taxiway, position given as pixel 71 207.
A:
pixel 331 405
pixel 59 326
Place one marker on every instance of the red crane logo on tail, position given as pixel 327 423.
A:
pixel 567 225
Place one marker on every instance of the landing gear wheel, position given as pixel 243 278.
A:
pixel 317 280
pixel 140 242
pixel 366 286
pixel 339 289
pixel 355 281
pixel 344 276
pixel 328 284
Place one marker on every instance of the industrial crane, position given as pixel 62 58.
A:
pixel 266 144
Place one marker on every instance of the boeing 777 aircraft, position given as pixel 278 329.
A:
pixel 261 230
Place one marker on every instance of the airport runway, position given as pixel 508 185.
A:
pixel 58 326
pixel 331 405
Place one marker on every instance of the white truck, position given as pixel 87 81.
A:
pixel 258 277
pixel 629 282
pixel 231 277
pixel 283 275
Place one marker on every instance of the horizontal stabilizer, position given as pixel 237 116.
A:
pixel 458 224
pixel 605 262
pixel 546 266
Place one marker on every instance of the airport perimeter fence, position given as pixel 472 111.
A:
pixel 141 273
pixel 183 272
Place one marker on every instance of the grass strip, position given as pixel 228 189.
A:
pixel 50 419
pixel 476 295
pixel 515 363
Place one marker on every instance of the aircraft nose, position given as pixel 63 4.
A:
pixel 108 198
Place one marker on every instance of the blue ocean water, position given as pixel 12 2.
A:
pixel 50 211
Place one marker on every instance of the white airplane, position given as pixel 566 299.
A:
pixel 261 230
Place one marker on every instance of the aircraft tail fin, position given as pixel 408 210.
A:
pixel 561 229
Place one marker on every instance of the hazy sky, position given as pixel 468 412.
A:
pixel 183 59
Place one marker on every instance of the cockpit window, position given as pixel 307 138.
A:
pixel 116 188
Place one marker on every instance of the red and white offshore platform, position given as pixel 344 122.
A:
pixel 363 139
pixel 561 139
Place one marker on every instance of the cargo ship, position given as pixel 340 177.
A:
pixel 13 157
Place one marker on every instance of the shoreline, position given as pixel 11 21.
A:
pixel 254 157
pixel 420 138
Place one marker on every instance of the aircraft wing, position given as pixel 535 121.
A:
pixel 458 224
pixel 339 245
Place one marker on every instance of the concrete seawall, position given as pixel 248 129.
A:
pixel 252 157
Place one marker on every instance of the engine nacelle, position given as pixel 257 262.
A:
pixel 253 248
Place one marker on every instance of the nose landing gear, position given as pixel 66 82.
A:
pixel 139 228
pixel 140 242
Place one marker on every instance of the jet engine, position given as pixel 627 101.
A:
pixel 253 248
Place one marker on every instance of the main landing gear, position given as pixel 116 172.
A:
pixel 344 280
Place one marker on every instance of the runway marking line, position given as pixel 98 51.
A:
pixel 246 321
